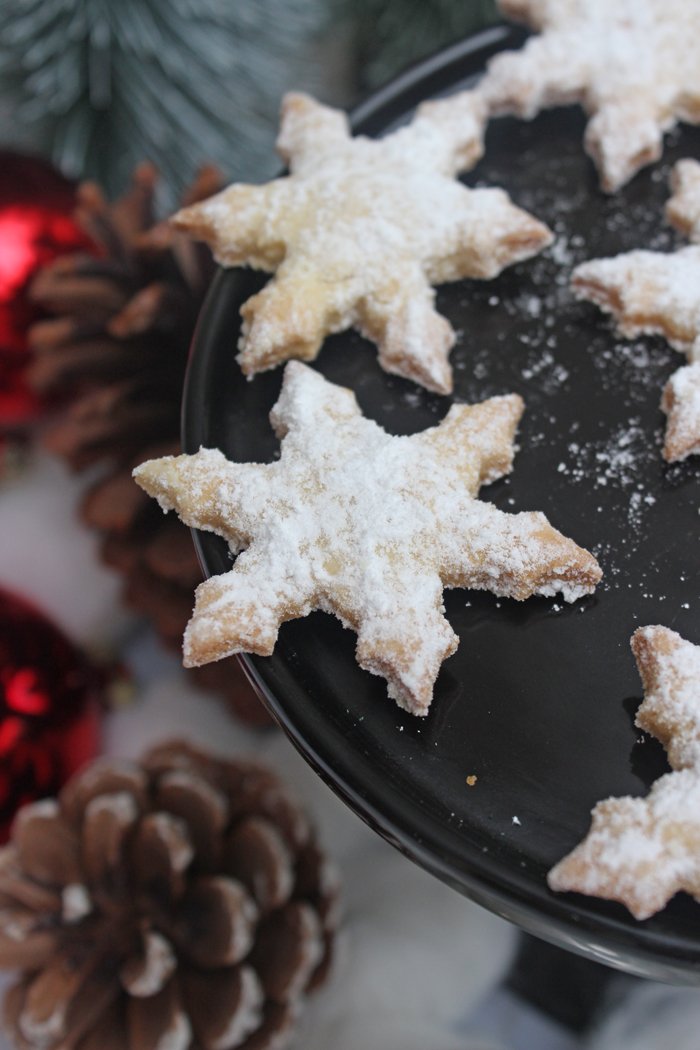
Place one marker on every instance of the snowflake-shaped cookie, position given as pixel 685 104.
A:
pixel 358 233
pixel 659 293
pixel 365 525
pixel 641 851
pixel 683 208
pixel 632 64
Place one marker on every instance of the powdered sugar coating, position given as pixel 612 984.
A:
pixel 670 670
pixel 658 293
pixel 359 232
pixel 365 525
pixel 632 65
pixel 647 292
pixel 641 851
pixel 681 403
pixel 683 208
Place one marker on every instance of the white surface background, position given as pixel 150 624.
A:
pixel 419 965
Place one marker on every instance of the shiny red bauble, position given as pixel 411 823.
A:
pixel 49 710
pixel 36 226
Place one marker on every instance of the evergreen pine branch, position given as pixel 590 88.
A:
pixel 101 85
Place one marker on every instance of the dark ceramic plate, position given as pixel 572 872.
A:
pixel 538 702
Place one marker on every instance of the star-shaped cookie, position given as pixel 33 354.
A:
pixel 632 64
pixel 359 232
pixel 683 207
pixel 365 525
pixel 641 851
pixel 659 293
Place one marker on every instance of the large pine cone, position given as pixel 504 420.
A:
pixel 179 902
pixel 113 350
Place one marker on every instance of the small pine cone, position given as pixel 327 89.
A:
pixel 112 350
pixel 180 902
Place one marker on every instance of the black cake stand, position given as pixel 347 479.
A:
pixel 539 700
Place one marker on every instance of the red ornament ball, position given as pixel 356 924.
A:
pixel 36 226
pixel 49 721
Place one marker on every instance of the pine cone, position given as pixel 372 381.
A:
pixel 113 351
pixel 179 902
